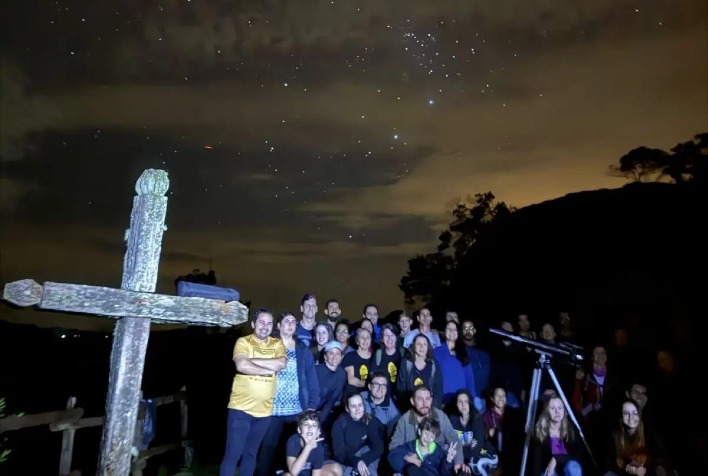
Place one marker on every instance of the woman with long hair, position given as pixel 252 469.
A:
pixel 419 367
pixel 634 450
pixel 469 425
pixel 454 363
pixel 557 451
pixel 323 334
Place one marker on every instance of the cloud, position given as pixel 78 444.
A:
pixel 270 272
pixel 214 32
pixel 584 114
pixel 20 112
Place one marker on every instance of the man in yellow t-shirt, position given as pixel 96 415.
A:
pixel 258 357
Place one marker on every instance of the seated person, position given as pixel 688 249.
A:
pixel 304 454
pixel 357 441
pixel 423 456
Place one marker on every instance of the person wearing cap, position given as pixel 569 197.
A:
pixel 332 378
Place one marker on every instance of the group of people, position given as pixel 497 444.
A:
pixel 333 398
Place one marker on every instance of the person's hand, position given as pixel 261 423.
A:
pixel 474 443
pixel 412 458
pixel 311 442
pixel 580 374
pixel 451 451
pixel 551 468
pixel 363 468
pixel 462 468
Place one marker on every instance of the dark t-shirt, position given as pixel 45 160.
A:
pixel 316 459
pixel 362 369
pixel 389 364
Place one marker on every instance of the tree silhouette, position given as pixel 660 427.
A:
pixel 685 164
pixel 641 163
pixel 429 275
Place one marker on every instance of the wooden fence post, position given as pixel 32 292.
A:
pixel 67 444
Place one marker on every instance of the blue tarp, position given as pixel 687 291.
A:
pixel 188 289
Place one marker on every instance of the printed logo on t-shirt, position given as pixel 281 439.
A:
pixel 417 381
pixel 392 371
pixel 363 372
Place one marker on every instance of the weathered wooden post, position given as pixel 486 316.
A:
pixel 67 444
pixel 134 305
pixel 130 338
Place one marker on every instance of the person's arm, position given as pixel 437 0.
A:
pixel 399 433
pixel 396 458
pixel 437 384
pixel 352 379
pixel 339 446
pixel 259 366
pixel 449 434
pixel 313 384
pixel 394 415
pixel 376 443
pixel 327 404
pixel 254 366
pixel 402 381
pixel 295 464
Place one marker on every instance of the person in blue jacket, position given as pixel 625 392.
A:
pixel 423 456
pixel 297 390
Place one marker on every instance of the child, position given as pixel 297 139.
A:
pixel 422 456
pixel 304 455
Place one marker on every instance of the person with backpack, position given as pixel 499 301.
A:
pixel 387 358
pixel 419 368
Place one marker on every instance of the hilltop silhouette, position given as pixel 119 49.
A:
pixel 634 249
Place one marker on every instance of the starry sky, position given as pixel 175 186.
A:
pixel 316 146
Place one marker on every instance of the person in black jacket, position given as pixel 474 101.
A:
pixel 557 450
pixel 356 439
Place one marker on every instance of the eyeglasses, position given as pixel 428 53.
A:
pixel 377 385
pixel 342 331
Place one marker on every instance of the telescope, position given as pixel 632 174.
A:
pixel 570 352
pixel 573 355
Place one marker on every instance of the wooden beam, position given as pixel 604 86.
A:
pixel 177 397
pixel 116 303
pixel 82 423
pixel 14 422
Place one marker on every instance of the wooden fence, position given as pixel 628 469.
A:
pixel 69 420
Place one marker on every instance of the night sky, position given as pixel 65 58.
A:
pixel 316 146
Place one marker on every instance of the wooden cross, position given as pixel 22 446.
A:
pixel 134 306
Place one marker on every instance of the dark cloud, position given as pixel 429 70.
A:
pixel 317 140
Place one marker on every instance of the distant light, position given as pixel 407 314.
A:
pixel 208 147
pixel 63 336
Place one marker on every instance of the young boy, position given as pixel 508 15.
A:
pixel 303 453
pixel 422 456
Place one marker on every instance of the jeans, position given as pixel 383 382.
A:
pixel 244 434
pixel 272 452
pixel 572 468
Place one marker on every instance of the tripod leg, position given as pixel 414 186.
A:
pixel 531 415
pixel 571 414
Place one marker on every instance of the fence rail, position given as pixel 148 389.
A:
pixel 69 420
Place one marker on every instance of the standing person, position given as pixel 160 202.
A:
pixel 258 357
pixel 306 326
pixel 297 389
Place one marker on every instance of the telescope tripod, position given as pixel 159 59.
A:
pixel 544 363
